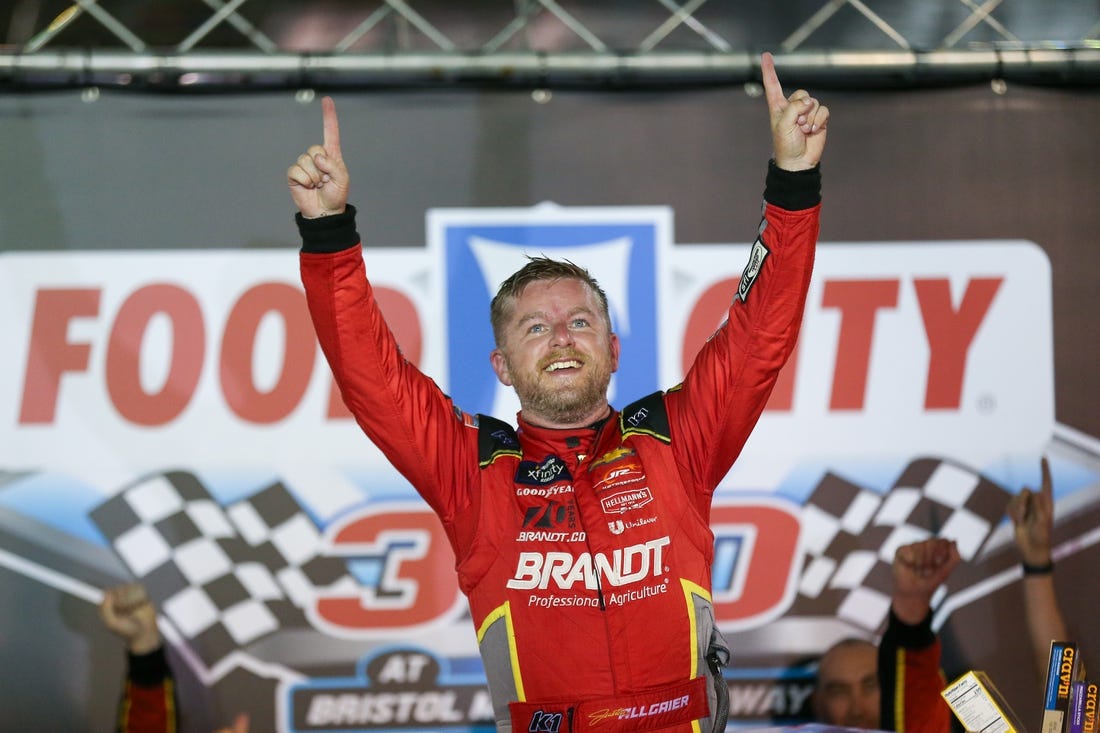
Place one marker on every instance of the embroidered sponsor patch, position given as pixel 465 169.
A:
pixel 539 474
pixel 630 473
pixel 756 261
pixel 618 526
pixel 543 721
pixel 611 456
pixel 624 501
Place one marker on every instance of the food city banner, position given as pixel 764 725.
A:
pixel 192 429
pixel 166 416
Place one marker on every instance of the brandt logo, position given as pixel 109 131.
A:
pixel 625 566
pixel 625 501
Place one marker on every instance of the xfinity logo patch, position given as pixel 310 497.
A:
pixel 551 470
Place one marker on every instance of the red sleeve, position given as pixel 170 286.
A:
pixel 400 409
pixel 726 388
pixel 148 702
pixel 911 680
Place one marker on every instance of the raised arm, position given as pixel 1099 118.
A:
pixel 909 672
pixel 725 390
pixel 1032 514
pixel 148 702
pixel 400 409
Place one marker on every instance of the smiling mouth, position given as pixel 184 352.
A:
pixel 570 364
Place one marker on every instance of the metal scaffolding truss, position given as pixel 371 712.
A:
pixel 195 44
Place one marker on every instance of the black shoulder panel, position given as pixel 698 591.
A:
pixel 646 416
pixel 495 438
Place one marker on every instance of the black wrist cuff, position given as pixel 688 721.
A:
pixel 149 670
pixel 1037 569
pixel 792 190
pixel 328 233
pixel 912 636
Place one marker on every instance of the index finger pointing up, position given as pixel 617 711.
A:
pixel 773 90
pixel 1047 487
pixel 332 128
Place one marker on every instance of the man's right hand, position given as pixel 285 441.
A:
pixel 919 569
pixel 319 179
pixel 1032 514
pixel 798 122
pixel 127 611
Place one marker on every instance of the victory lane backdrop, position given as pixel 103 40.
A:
pixel 167 416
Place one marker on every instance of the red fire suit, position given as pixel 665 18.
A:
pixel 148 703
pixel 911 679
pixel 585 554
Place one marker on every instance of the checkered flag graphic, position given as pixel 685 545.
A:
pixel 851 534
pixel 224 577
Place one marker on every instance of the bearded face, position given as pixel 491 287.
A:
pixel 564 387
pixel 558 353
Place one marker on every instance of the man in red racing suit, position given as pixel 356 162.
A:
pixel 896 685
pixel 582 544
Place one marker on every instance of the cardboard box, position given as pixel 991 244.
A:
pixel 979 705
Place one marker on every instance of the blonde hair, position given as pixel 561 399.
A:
pixel 538 269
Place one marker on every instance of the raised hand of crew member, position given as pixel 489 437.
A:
pixel 1032 514
pixel 919 569
pixel 318 180
pixel 798 122
pixel 127 611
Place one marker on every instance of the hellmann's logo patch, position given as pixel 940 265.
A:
pixel 622 502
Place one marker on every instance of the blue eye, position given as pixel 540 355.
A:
pixel 580 323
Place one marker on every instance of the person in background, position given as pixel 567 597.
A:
pixel 896 685
pixel 847 690
pixel 1032 515
pixel 148 702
